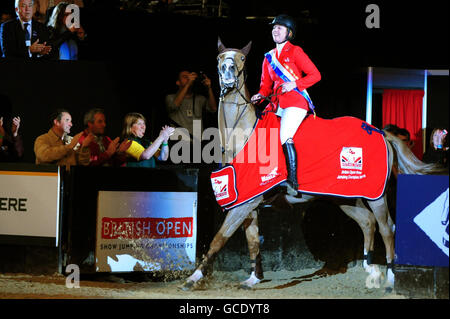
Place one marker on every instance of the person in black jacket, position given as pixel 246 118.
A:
pixel 24 38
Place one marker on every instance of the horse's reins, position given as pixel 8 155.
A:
pixel 269 99
pixel 223 94
pixel 235 123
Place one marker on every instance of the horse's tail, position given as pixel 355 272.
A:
pixel 408 163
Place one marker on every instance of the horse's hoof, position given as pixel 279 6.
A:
pixel 250 282
pixel 375 277
pixel 190 282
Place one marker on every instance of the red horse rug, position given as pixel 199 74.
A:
pixel 344 157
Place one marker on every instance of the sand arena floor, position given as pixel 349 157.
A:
pixel 304 284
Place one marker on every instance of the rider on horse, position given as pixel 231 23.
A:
pixel 282 74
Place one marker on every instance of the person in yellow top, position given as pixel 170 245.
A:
pixel 142 152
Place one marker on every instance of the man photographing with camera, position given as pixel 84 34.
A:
pixel 187 104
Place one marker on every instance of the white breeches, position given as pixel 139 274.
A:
pixel 291 119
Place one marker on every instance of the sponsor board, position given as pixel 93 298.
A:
pixel 421 237
pixel 29 204
pixel 146 231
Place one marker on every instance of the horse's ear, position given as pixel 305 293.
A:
pixel 245 50
pixel 220 46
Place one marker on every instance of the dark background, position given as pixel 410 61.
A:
pixel 131 59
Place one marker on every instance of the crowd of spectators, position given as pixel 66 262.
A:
pixel 94 147
pixel 41 29
pixel 44 30
pixel 90 147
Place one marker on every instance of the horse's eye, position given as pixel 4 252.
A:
pixel 242 58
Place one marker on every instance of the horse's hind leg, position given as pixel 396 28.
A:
pixel 235 217
pixel 366 222
pixel 380 209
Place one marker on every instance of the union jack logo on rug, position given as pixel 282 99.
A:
pixel 352 158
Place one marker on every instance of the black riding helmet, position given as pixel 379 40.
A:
pixel 288 22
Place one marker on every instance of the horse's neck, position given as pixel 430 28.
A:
pixel 236 122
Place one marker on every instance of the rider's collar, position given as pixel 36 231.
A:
pixel 280 47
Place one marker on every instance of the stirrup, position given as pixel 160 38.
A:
pixel 290 188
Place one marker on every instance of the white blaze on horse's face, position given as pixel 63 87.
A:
pixel 228 69
pixel 227 72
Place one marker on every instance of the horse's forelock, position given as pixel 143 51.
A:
pixel 228 53
pixel 231 50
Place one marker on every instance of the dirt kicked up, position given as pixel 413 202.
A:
pixel 303 284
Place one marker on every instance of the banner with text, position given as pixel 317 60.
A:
pixel 29 204
pixel 146 231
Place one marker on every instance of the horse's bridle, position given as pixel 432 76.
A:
pixel 224 92
pixel 225 89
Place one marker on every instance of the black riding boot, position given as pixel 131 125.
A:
pixel 290 155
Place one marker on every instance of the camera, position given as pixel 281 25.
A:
pixel 201 76
pixel 198 85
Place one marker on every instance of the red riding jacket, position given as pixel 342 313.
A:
pixel 292 57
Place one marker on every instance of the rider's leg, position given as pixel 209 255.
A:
pixel 290 121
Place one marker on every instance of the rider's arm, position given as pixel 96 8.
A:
pixel 305 65
pixel 266 81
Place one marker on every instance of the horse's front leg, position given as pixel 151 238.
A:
pixel 252 234
pixel 235 217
